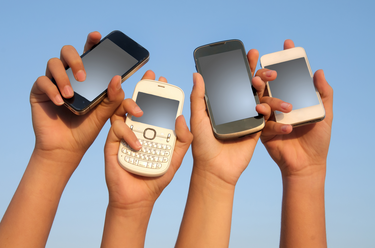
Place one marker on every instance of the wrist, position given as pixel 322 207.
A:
pixel 313 181
pixel 57 162
pixel 140 208
pixel 131 212
pixel 310 171
pixel 208 180
pixel 125 227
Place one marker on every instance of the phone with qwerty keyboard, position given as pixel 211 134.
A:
pixel 161 104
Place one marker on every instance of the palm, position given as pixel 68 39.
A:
pixel 127 189
pixel 307 145
pixel 230 158
pixel 57 128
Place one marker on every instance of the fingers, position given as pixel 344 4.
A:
pixel 115 95
pixel 184 139
pixel 273 128
pixel 260 86
pixel 93 38
pixel 264 109
pixel 252 57
pixel 128 106
pixel 70 58
pixel 149 75
pixel 44 90
pixel 325 91
pixel 56 70
pixel 266 74
pixel 288 44
pixel 197 102
pixel 277 104
pixel 120 131
pixel 163 79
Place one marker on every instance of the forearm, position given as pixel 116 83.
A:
pixel 303 212
pixel 208 213
pixel 29 217
pixel 126 228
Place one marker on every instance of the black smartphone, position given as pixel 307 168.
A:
pixel 230 96
pixel 115 54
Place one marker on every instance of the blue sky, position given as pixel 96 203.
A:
pixel 338 37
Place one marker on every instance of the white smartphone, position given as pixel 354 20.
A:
pixel 294 84
pixel 161 104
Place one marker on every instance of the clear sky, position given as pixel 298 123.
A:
pixel 338 37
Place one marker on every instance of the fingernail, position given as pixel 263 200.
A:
pixel 194 77
pixel 138 144
pixel 80 76
pixel 68 91
pixel 118 85
pixel 261 106
pixel 268 73
pixel 284 128
pixel 59 100
pixel 285 105
pixel 137 109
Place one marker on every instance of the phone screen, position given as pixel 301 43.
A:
pixel 101 64
pixel 293 83
pixel 157 111
pixel 228 86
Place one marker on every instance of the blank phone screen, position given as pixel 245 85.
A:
pixel 293 83
pixel 157 111
pixel 228 86
pixel 101 64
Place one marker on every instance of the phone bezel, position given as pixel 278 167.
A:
pixel 163 90
pixel 237 128
pixel 78 104
pixel 298 117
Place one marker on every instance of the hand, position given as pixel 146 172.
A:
pixel 224 159
pixel 132 197
pixel 62 138
pixel 301 154
pixel 217 166
pixel 58 131
pixel 303 150
pixel 129 190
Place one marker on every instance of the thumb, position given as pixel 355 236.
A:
pixel 197 101
pixel 108 106
pixel 326 93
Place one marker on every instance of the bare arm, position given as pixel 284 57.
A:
pixel 301 155
pixel 61 141
pixel 217 168
pixel 132 197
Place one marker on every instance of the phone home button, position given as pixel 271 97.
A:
pixel 149 133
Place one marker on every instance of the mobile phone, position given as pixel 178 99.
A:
pixel 161 104
pixel 230 96
pixel 115 54
pixel 294 84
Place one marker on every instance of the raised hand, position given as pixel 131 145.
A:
pixel 131 197
pixel 301 153
pixel 62 139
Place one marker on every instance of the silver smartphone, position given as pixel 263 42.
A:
pixel 230 96
pixel 294 84
pixel 161 104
